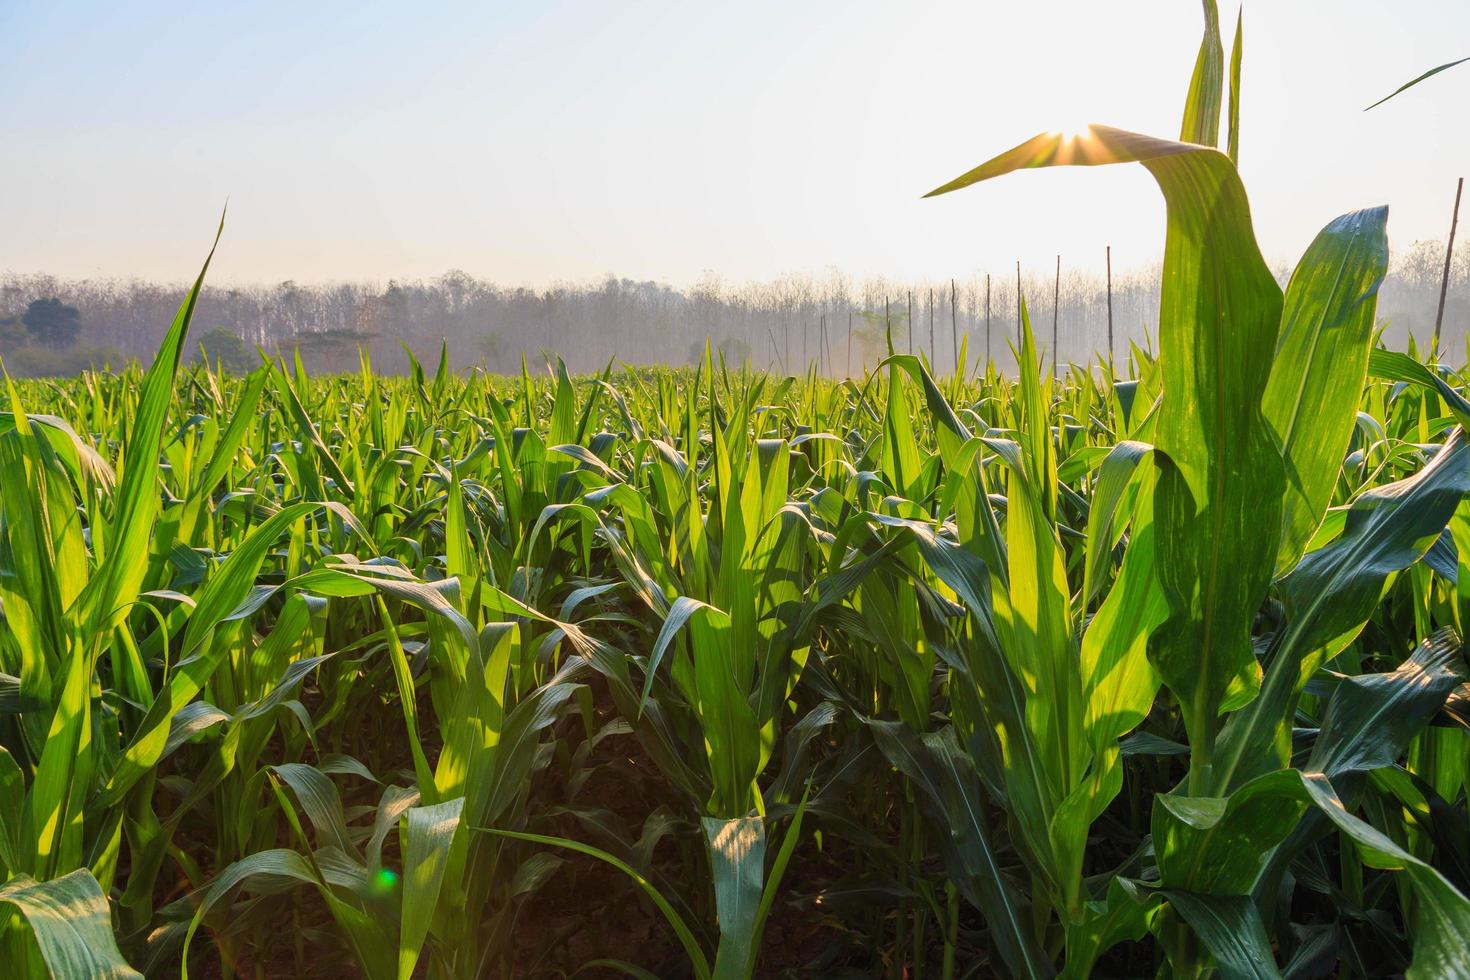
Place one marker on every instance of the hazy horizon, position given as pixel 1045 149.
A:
pixel 536 144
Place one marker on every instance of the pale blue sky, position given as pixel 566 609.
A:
pixel 526 142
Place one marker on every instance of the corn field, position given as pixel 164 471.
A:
pixel 1150 666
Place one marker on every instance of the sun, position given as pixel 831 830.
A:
pixel 1072 142
pixel 1074 128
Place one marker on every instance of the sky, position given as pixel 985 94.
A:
pixel 530 142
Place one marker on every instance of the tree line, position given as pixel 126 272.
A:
pixel 831 322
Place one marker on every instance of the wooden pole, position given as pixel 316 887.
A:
pixel 987 321
pixel 954 326
pixel 1018 303
pixel 931 329
pixel 826 344
pixel 1056 303
pixel 1449 251
pixel 1110 305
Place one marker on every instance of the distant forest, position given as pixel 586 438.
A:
pixel 54 326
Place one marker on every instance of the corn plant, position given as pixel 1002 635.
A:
pixel 1244 448
pixel 1140 666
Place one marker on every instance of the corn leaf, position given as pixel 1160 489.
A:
pixel 71 923
pixel 1311 401
pixel 428 834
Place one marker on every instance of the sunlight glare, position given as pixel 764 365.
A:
pixel 1074 140
pixel 1074 129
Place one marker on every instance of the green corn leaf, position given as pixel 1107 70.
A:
pixel 737 861
pixel 14 850
pixel 226 451
pixel 1243 829
pixel 1410 84
pixel 697 960
pixel 403 676
pixel 54 819
pixel 112 589
pixel 1114 476
pixel 680 612
pixel 221 598
pixel 534 872
pixel 461 560
pixel 1333 591
pixel 799 741
pixel 310 436
pixel 1237 49
pixel 319 798
pixel 1206 86
pixel 84 463
pixel 1311 401
pixel 1396 366
pixel 773 880
pixel 441 373
pixel 35 547
pixel 1123 916
pixel 1119 681
pixel 393 804
pixel 1218 846
pixel 1033 621
pixel 71 923
pixel 1371 718
pixel 1230 927
pixel 1221 476
pixel 731 732
pixel 190 720
pixel 900 461
pixel 498 777
pixel 279 863
pixel 428 834
pixel 730 727
pixel 936 764
pixel 43 569
pixel 1222 479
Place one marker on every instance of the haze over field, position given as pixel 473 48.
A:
pixel 536 143
pixel 781 324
